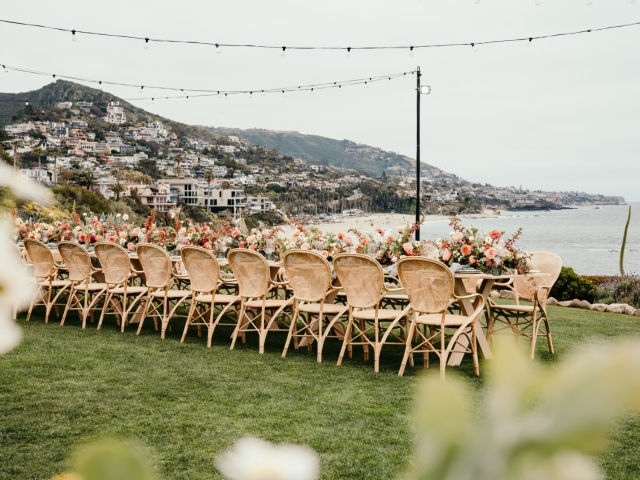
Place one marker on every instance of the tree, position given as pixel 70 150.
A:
pixel 177 171
pixel 117 188
pixel 208 177
pixel 85 179
pixel 16 163
pixel 226 186
pixel 55 154
pixel 38 152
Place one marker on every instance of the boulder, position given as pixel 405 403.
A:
pixel 564 304
pixel 584 304
pixel 575 303
pixel 495 294
pixel 599 307
pixel 507 294
pixel 551 301
pixel 621 308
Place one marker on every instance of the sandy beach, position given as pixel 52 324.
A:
pixel 382 220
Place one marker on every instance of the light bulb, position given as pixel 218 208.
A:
pixel 284 94
pixel 153 101
pixel 537 2
pixel 100 84
pixel 389 81
pixel 366 85
pixel 6 70
pixel 219 95
pixel 26 103
pixel 590 2
pixel 411 52
pixel 283 51
pixel 225 96
pixel 339 88
pixel 217 48
pixel 146 44
pixel 187 98
pixel 477 2
pixel 250 94
pixel 474 46
pixel 311 92
pixel 141 88
pixel 263 94
pixel 529 42
pixel 54 79
pixel 349 52
pixel 73 35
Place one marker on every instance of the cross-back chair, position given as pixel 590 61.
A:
pixel 258 312
pixel 430 287
pixel 84 294
pixel 314 313
pixel 370 324
pixel 45 271
pixel 121 297
pixel 160 300
pixel 204 275
pixel 530 321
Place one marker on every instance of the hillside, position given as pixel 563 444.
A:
pixel 328 151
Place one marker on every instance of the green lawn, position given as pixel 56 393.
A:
pixel 184 403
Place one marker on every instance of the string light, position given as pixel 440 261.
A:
pixel 284 94
pixel 187 98
pixel 100 84
pixel 250 94
pixel 54 79
pixel 284 49
pixel 263 94
pixel 311 92
pixel 146 43
pixel 153 101
pixel 219 95
pixel 529 42
pixel 6 70
pixel 474 47
pixel 141 88
pixel 537 2
pixel 411 51
pixel 348 52
pixel 305 47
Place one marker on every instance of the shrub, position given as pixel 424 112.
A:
pixel 570 285
pixel 619 290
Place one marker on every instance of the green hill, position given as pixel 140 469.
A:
pixel 326 151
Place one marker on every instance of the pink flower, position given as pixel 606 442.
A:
pixel 98 238
pixel 37 236
pixel 192 230
pixel 82 237
pixel 364 241
pixel 340 235
pixel 466 250
pixel 296 233
pixel 324 253
pixel 457 236
pixel 131 247
pixel 408 248
pixel 400 230
pixel 235 233
pixel 495 234
pixel 380 231
pixel 446 256
pixel 389 239
pixel 207 245
pixel 204 229
pixel 241 245
pixel 112 238
pixel 182 232
pixel 305 246
pixel 252 247
pixel 472 260
pixel 122 235
pixel 490 253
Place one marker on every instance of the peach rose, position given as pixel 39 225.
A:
pixel 207 245
pixel 408 248
pixel 324 253
pixel 495 234
pixel 131 247
pixel 241 245
pixel 466 250
pixel 446 256
pixel 490 253
pixel 305 246
pixel 457 236
pixel 112 238
pixel 235 233
pixel 389 239
pixel 472 260
pixel 122 235
pixel 82 237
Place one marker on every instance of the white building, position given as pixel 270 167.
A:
pixel 64 105
pixel 260 204
pixel 116 113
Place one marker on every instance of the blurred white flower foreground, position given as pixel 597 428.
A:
pixel 255 459
pixel 16 285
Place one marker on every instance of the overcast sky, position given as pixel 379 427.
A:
pixel 562 114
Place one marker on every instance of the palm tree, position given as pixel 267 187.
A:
pixel 177 171
pixel 208 177
pixel 14 144
pixel 55 154
pixel 38 152
pixel 117 188
pixel 178 159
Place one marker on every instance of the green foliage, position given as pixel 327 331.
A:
pixel 570 286
pixel 268 219
pixel 624 242
pixel 86 201
pixel 149 167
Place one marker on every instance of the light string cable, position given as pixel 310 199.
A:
pixel 348 49
pixel 190 92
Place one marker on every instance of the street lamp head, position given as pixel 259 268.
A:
pixel 425 89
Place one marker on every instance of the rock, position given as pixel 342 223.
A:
pixel 621 308
pixel 564 304
pixel 575 303
pixel 507 294
pixel 551 301
pixel 599 307
pixel 637 312
pixel 584 304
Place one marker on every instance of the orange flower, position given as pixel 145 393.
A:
pixel 495 234
pixel 466 250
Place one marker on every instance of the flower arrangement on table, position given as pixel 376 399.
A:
pixel 467 247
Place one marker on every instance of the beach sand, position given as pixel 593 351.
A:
pixel 385 221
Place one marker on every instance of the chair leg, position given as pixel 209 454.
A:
pixel 474 350
pixel 443 353
pixel 534 337
pixel 104 309
pixel 549 341
pixel 236 331
pixel 189 317
pixel 144 315
pixel 347 339
pixel 72 294
pixel 407 349
pixel 292 328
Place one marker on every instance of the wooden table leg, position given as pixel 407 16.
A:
pixel 467 308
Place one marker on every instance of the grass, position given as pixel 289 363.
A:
pixel 184 403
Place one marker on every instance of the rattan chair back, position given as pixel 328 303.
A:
pixel 41 258
pixel 309 274
pixel 546 262
pixel 429 284
pixel 361 277
pixel 114 261
pixel 251 271
pixel 76 259
pixel 202 267
pixel 156 264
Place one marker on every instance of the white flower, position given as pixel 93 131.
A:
pixel 125 217
pixel 23 188
pixel 16 290
pixel 118 215
pixel 472 238
pixel 254 459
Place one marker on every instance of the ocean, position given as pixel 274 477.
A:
pixel 586 238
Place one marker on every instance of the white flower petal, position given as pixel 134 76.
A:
pixel 23 188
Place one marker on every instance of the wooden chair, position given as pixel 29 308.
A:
pixel 121 297
pixel 369 325
pixel 257 312
pixel 161 301
pixel 45 271
pixel 530 321
pixel 204 275
pixel 430 287
pixel 314 313
pixel 84 294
